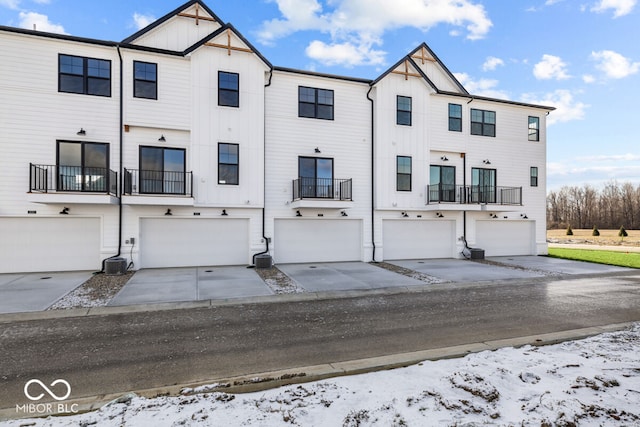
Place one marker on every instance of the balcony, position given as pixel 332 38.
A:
pixel 322 193
pixel 473 195
pixel 147 187
pixel 72 184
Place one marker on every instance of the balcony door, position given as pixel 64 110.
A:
pixel 83 166
pixel 162 170
pixel 483 185
pixel 442 183
pixel 316 177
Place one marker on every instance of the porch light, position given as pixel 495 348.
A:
pixel 486 162
pixel 439 215
pixel 64 211
pixel 405 215
pixel 168 212
pixel 298 213
pixel 343 213
pixel 162 138
pixel 317 150
pixel 492 215
pixel 81 132
pixel 524 216
pixel 224 212
pixel 444 159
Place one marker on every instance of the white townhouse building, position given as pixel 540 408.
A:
pixel 183 146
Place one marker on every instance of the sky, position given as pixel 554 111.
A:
pixel 580 56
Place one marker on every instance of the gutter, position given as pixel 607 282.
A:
pixel 373 233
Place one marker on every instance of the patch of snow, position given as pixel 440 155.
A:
pixel 590 382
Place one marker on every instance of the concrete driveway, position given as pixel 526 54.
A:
pixel 557 265
pixel 462 270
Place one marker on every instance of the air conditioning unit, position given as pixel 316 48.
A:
pixel 115 266
pixel 477 253
pixel 263 261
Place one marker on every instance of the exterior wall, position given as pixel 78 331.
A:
pixel 178 33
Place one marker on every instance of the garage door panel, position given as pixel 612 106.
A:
pixel 504 238
pixel 186 242
pixel 305 240
pixel 415 239
pixel 49 244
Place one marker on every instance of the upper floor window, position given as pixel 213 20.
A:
pixel 534 128
pixel 228 164
pixel 483 122
pixel 228 89
pixel 455 117
pixel 315 103
pixel 403 173
pixel 89 76
pixel 145 80
pixel 534 176
pixel 403 110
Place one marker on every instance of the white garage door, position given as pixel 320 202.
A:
pixel 49 244
pixel 503 238
pixel 416 239
pixel 317 240
pixel 186 242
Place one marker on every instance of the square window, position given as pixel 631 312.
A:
pixel 315 103
pixel 483 122
pixel 87 76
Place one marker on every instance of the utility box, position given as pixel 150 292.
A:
pixel 115 266
pixel 263 261
pixel 477 253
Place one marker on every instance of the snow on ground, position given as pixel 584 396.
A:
pixel 591 382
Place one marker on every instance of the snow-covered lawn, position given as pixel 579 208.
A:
pixel 591 382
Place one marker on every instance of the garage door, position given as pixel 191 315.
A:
pixel 416 239
pixel 49 244
pixel 502 238
pixel 186 242
pixel 317 240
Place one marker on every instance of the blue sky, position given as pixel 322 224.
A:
pixel 581 56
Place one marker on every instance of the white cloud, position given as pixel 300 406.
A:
pixel 11 4
pixel 358 25
pixel 551 67
pixel 610 157
pixel 482 87
pixel 492 63
pixel 614 65
pixel 567 108
pixel 620 7
pixel 42 1
pixel 588 78
pixel 41 22
pixel 142 21
pixel 346 54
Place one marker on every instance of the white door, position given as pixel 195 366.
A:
pixel 317 240
pixel 504 238
pixel 49 244
pixel 418 239
pixel 186 242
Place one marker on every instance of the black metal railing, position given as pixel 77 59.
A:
pixel 322 188
pixel 474 194
pixel 61 178
pixel 157 182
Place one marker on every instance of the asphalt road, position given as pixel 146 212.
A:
pixel 133 351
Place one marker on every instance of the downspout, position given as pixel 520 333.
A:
pixel 464 193
pixel 264 172
pixel 373 233
pixel 121 137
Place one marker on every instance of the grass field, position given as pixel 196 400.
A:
pixel 622 259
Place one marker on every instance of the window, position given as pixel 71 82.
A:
pixel 87 76
pixel 162 170
pixel 145 80
pixel 455 117
pixel 534 176
pixel 403 173
pixel 534 128
pixel 483 122
pixel 228 162
pixel 83 166
pixel 442 183
pixel 228 89
pixel 315 103
pixel 483 185
pixel 316 177
pixel 403 112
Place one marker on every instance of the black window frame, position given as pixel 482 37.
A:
pixel 145 81
pixel 533 175
pixel 86 76
pixel 222 91
pixel 149 176
pixel 486 128
pixel 82 169
pixel 481 192
pixel 400 175
pixel 444 192
pixel 534 132
pixel 229 164
pixel 403 113
pixel 316 187
pixel 316 104
pixel 454 119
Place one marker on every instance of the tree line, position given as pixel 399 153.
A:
pixel 612 206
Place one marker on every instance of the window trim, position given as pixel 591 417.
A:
pixel 316 103
pixel 85 75
pixel 483 124
pixel 533 177
pixel 536 130
pixel 237 165
pixel 409 111
pixel 136 80
pixel 399 174
pixel 226 90
pixel 457 119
